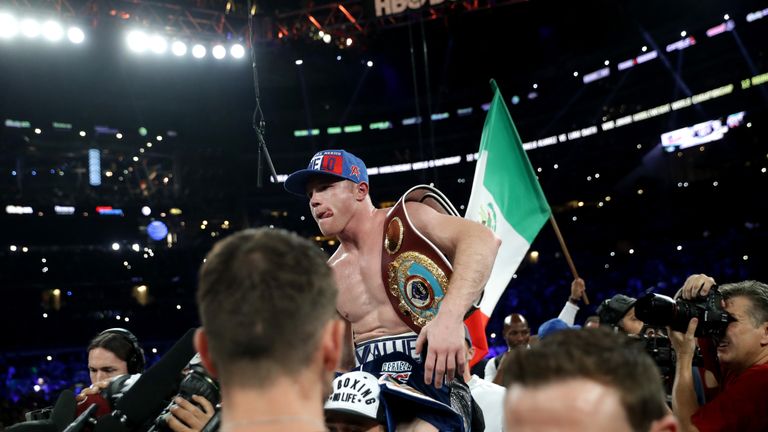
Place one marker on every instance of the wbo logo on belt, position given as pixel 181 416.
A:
pixel 415 272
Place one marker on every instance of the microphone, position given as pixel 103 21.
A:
pixel 141 403
pixel 64 410
pixel 82 420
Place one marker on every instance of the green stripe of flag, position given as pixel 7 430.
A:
pixel 509 176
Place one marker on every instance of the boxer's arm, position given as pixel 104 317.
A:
pixel 471 248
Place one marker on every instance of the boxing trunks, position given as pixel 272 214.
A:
pixel 404 394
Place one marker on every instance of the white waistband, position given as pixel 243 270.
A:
pixel 374 348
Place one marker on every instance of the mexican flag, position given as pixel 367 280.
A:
pixel 507 198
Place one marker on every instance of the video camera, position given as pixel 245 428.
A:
pixel 660 310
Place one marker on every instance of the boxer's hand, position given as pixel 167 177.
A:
pixel 445 350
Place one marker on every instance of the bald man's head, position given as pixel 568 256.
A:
pixel 517 333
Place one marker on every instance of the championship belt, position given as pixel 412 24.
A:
pixel 414 271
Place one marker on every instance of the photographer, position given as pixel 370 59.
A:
pixel 742 351
pixel 619 312
pixel 115 352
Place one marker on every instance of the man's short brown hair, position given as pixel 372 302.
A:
pixel 614 360
pixel 756 292
pixel 264 297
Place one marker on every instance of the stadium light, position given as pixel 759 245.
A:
pixel 198 51
pixel 75 35
pixel 178 48
pixel 137 41
pixel 30 28
pixel 158 44
pixel 52 31
pixel 9 27
pixel 237 51
pixel 219 52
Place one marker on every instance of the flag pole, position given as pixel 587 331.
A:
pixel 566 253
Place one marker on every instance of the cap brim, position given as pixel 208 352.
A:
pixel 348 413
pixel 296 183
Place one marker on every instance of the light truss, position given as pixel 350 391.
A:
pixel 350 18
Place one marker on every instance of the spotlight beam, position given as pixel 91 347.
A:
pixel 678 79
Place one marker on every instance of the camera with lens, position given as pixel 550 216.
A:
pixel 658 346
pixel 660 310
pixel 660 349
pixel 196 381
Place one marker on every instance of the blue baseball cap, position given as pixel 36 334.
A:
pixel 553 326
pixel 337 163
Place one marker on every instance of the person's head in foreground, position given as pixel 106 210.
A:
pixel 267 299
pixel 595 380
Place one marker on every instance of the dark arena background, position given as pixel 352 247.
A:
pixel 127 148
